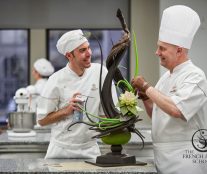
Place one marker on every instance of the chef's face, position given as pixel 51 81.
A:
pixel 35 74
pixel 81 56
pixel 168 55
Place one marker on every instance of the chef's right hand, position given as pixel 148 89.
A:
pixel 73 105
pixel 140 83
pixel 142 95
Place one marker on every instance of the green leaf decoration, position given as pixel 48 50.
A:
pixel 123 110
pixel 132 110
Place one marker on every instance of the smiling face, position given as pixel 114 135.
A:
pixel 170 55
pixel 80 58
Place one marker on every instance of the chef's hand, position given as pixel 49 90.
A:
pixel 141 86
pixel 142 95
pixel 140 83
pixel 73 105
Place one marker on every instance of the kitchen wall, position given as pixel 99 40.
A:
pixel 145 23
pixel 39 15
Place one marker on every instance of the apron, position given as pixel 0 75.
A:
pixel 179 158
pixel 85 150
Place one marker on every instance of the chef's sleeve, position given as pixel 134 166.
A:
pixel 191 96
pixel 48 100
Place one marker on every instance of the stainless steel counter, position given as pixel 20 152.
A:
pixel 26 154
pixel 40 141
pixel 67 166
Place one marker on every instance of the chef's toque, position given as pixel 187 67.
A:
pixel 44 67
pixel 70 40
pixel 179 25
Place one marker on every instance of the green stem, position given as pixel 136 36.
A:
pixel 106 123
pixel 108 127
pixel 100 118
pixel 126 83
pixel 136 54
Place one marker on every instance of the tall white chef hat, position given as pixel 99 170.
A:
pixel 179 25
pixel 44 67
pixel 70 40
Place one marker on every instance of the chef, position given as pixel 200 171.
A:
pixel 178 103
pixel 42 69
pixel 58 101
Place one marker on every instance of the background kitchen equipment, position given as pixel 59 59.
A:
pixel 22 121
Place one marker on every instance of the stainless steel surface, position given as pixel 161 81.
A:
pixel 22 121
pixel 20 148
pixel 23 151
pixel 33 155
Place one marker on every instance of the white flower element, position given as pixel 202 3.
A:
pixel 128 104
pixel 128 98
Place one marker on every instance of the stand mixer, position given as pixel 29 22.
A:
pixel 24 119
pixel 22 100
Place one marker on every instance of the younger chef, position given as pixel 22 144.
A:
pixel 58 100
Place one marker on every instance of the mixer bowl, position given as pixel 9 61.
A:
pixel 22 121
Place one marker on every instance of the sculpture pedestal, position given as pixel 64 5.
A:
pixel 115 158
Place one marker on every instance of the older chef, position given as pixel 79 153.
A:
pixel 58 101
pixel 178 103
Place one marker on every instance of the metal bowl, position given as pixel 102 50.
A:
pixel 22 121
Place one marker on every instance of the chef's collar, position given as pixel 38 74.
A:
pixel 180 66
pixel 74 73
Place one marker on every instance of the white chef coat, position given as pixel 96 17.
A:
pixel 187 87
pixel 35 93
pixel 39 85
pixel 57 93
